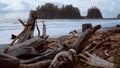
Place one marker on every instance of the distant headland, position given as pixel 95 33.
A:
pixel 50 11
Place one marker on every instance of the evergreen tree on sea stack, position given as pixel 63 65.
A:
pixel 118 16
pixel 94 13
pixel 50 11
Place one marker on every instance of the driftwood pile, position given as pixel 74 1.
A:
pixel 28 51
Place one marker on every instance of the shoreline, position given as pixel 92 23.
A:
pixel 79 31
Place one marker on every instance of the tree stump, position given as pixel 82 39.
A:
pixel 117 25
pixel 86 26
pixel 29 27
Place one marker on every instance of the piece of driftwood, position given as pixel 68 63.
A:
pixel 91 47
pixel 74 33
pixel 40 64
pixel 44 31
pixel 62 57
pixel 13 36
pixel 27 33
pixel 44 35
pixel 23 23
pixel 98 45
pixel 50 54
pixel 7 61
pixel 22 51
pixel 118 25
pixel 30 26
pixel 23 48
pixel 95 60
pixel 38 29
pixel 80 43
pixel 3 47
pixel 86 26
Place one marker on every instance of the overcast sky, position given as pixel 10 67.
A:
pixel 21 8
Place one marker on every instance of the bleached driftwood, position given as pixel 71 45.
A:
pixel 44 31
pixel 22 51
pixel 40 64
pixel 62 57
pixel 30 25
pixel 95 60
pixel 98 45
pixel 27 33
pixel 2 47
pixel 23 23
pixel 48 54
pixel 7 61
pixel 25 43
pixel 80 43
pixel 38 29
pixel 23 48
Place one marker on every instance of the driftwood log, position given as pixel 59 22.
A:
pixel 62 57
pixel 48 54
pixel 80 43
pixel 23 48
pixel 94 60
pixel 40 64
pixel 28 31
pixel 86 26
pixel 7 61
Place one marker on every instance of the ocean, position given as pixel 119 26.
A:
pixel 55 27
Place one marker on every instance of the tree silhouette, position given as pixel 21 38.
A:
pixel 71 12
pixel 118 16
pixel 47 11
pixel 94 13
pixel 50 11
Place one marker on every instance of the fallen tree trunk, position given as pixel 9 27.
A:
pixel 27 33
pixel 22 51
pixel 62 57
pixel 23 48
pixel 40 64
pixel 7 61
pixel 30 26
pixel 86 26
pixel 80 43
pixel 50 54
pixel 94 60
pixel 2 47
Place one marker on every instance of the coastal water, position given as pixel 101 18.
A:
pixel 55 27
